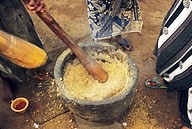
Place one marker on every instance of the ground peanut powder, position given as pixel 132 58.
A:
pixel 79 83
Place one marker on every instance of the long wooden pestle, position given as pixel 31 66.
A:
pixel 90 64
pixel 21 52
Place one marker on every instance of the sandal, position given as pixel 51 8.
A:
pixel 125 44
pixel 155 80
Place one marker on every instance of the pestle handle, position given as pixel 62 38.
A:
pixel 21 52
pixel 90 65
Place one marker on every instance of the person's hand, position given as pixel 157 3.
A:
pixel 35 5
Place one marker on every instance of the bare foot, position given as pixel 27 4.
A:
pixel 184 127
pixel 155 82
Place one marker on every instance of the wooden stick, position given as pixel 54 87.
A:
pixel 91 65
pixel 21 52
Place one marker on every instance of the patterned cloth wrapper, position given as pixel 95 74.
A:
pixel 109 18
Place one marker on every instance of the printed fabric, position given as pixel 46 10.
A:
pixel 113 17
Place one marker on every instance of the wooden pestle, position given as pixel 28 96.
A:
pixel 90 64
pixel 21 52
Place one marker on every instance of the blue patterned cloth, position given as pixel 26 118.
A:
pixel 109 18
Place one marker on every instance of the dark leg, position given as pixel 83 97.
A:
pixel 183 102
pixel 8 88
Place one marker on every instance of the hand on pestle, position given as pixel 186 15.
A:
pixel 35 5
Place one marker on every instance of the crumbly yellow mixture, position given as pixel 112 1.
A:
pixel 79 83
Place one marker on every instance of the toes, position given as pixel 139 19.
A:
pixel 151 83
pixel 128 47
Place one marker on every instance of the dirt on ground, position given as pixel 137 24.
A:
pixel 151 108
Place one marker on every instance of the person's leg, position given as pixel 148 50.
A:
pixel 185 105
pixel 8 87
